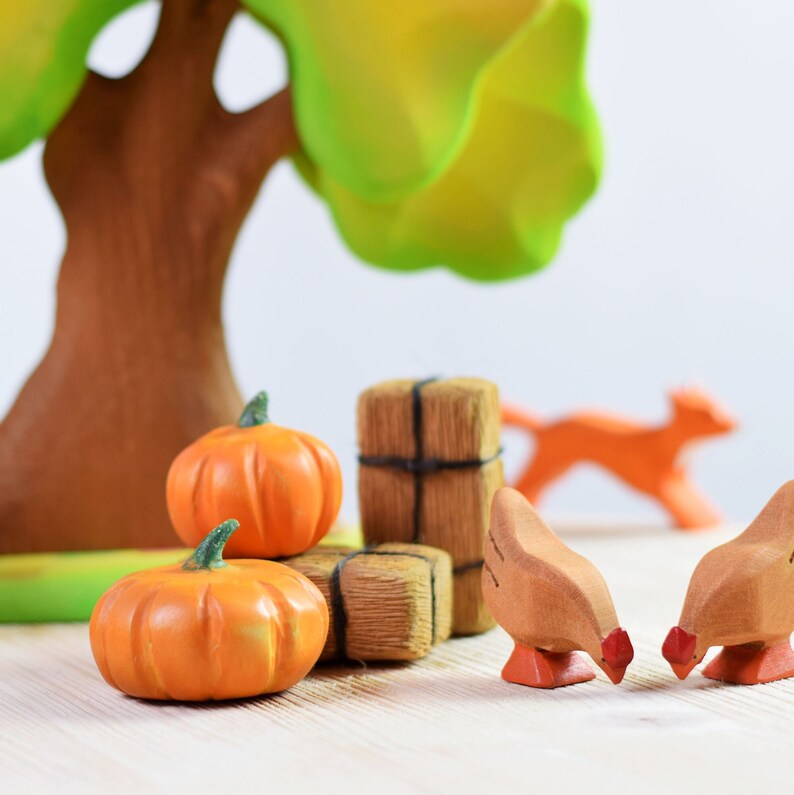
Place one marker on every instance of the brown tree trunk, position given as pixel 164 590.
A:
pixel 154 179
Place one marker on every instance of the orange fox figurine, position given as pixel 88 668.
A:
pixel 644 457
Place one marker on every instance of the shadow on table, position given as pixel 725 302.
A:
pixel 331 674
pixel 36 697
pixel 33 694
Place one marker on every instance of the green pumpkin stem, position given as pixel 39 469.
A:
pixel 255 413
pixel 209 553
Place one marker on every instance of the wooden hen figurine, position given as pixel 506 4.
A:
pixel 741 596
pixel 550 600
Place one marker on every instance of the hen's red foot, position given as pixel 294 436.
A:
pixel 744 665
pixel 545 669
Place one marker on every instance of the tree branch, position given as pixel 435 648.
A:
pixel 257 138
pixel 170 97
pixel 188 38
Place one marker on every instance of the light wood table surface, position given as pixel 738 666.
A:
pixel 446 724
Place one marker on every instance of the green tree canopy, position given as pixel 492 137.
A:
pixel 440 132
pixel 43 48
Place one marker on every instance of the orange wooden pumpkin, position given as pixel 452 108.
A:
pixel 284 486
pixel 207 630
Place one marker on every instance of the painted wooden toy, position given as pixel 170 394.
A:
pixel 421 165
pixel 550 600
pixel 284 485
pixel 208 629
pixel 644 457
pixel 741 597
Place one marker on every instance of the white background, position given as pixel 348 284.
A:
pixel 678 271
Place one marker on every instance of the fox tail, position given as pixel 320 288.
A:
pixel 517 417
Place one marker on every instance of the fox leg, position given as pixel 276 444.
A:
pixel 538 474
pixel 688 508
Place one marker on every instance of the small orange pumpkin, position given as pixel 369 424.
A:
pixel 207 630
pixel 284 486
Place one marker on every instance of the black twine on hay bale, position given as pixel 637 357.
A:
pixel 419 466
pixel 338 599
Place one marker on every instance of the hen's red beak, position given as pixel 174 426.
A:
pixel 679 650
pixel 617 652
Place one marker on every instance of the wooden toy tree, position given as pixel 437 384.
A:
pixel 440 132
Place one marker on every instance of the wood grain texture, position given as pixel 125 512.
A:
pixel 460 422
pixel 549 599
pixel 741 596
pixel 154 179
pixel 447 723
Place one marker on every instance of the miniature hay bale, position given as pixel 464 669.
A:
pixel 388 602
pixel 429 468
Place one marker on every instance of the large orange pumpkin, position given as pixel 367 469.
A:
pixel 208 630
pixel 284 486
